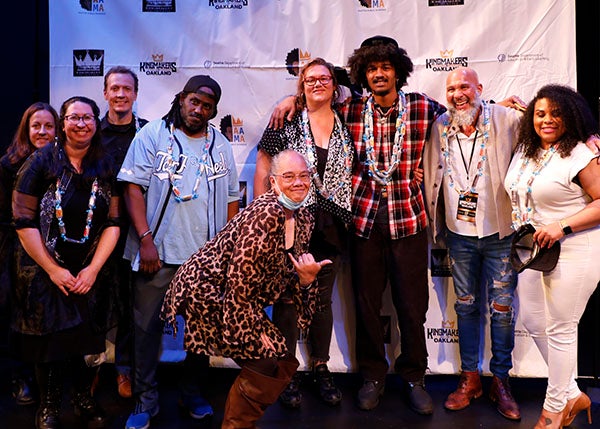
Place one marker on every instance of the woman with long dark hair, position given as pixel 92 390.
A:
pixel 554 185
pixel 36 129
pixel 65 212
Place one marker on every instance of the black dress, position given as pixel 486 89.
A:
pixel 52 326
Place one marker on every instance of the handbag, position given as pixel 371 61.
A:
pixel 525 252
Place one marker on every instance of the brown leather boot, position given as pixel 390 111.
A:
pixel 500 394
pixel 253 392
pixel 469 387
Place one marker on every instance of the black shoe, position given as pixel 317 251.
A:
pixel 46 417
pixel 328 391
pixel 291 396
pixel 369 394
pixel 418 398
pixel 86 407
pixel 21 391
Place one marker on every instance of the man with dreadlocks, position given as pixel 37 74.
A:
pixel 180 182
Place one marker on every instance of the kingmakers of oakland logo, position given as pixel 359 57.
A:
pixel 95 6
pixel 227 4
pixel 373 4
pixel 295 60
pixel 158 6
pixel 158 67
pixel 446 62
pixel 448 333
pixel 446 2
pixel 233 128
pixel 88 62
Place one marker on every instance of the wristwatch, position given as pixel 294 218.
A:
pixel 565 228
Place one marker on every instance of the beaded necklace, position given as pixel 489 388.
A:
pixel 172 164
pixel 137 123
pixel 383 177
pixel 482 156
pixel 311 154
pixel 520 218
pixel 90 213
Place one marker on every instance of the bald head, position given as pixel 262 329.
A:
pixel 463 74
pixel 463 92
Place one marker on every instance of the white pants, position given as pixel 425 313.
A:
pixel 551 305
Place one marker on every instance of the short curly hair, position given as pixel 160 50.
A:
pixel 575 113
pixel 363 56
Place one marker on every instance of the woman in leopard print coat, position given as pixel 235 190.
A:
pixel 222 290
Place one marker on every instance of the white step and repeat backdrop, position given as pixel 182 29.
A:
pixel 253 48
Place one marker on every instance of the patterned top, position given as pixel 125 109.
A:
pixel 291 136
pixel 406 209
pixel 222 290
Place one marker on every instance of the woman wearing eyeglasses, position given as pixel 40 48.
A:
pixel 66 214
pixel 554 184
pixel 223 289
pixel 316 131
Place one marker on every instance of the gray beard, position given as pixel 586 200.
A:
pixel 462 118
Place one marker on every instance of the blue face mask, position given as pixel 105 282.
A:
pixel 287 202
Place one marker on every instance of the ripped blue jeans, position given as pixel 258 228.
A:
pixel 480 269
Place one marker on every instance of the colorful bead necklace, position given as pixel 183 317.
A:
pixel 482 154
pixel 520 218
pixel 311 154
pixel 383 177
pixel 172 164
pixel 90 213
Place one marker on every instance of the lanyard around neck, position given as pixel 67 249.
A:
pixel 462 155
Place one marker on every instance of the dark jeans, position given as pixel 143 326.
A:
pixel 404 263
pixel 284 312
pixel 123 339
pixel 148 296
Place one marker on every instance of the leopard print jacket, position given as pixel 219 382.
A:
pixel 222 290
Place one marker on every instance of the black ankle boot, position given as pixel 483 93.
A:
pixel 49 380
pixel 291 396
pixel 328 391
pixel 88 409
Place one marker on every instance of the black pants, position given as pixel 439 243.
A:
pixel 402 262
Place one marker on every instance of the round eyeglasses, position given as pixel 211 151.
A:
pixel 291 177
pixel 312 81
pixel 75 119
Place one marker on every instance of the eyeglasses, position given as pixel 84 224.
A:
pixel 75 119
pixel 291 177
pixel 312 81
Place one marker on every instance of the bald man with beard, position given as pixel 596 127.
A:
pixel 465 163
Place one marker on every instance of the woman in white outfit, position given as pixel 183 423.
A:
pixel 554 184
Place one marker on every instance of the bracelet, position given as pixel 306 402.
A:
pixel 145 234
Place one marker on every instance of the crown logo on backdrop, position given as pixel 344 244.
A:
pixel 157 58
pixel 304 55
pixel 449 324
pixel 88 61
pixel 237 122
pixel 448 53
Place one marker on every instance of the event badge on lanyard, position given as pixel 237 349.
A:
pixel 467 201
pixel 467 206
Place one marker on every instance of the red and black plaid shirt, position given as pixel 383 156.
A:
pixel 406 208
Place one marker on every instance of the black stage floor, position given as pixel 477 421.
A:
pixel 391 413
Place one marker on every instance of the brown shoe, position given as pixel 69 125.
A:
pixel 575 405
pixel 469 387
pixel 500 394
pixel 124 385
